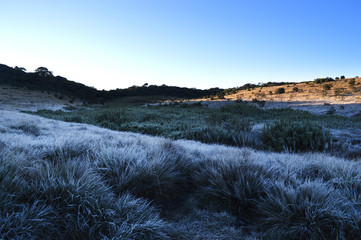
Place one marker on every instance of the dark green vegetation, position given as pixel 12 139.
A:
pixel 323 80
pixel 230 125
pixel 43 80
pixel 295 136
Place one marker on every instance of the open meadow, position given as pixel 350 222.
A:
pixel 259 173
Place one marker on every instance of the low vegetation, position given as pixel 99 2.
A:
pixel 293 136
pixel 238 124
pixel 76 181
pixel 77 178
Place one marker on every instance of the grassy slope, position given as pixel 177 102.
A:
pixel 307 91
pixel 74 181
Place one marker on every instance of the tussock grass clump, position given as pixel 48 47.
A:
pixel 289 136
pixel 205 224
pixel 69 200
pixel 233 186
pixel 158 175
pixel 27 221
pixel 27 128
pixel 66 150
pixel 312 210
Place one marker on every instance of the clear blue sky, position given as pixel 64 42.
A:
pixel 116 44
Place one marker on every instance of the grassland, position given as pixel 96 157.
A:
pixel 239 124
pixel 64 180
pixel 202 170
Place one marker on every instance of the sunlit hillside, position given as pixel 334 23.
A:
pixel 346 90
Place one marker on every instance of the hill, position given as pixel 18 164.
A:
pixel 43 80
pixel 347 90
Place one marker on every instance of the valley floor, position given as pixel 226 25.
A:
pixel 62 180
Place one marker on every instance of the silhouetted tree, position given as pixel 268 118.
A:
pixel 20 68
pixel 44 72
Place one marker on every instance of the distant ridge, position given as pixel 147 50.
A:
pixel 47 82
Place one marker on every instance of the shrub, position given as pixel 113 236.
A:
pixel 322 80
pixel 115 116
pixel 280 90
pixel 342 77
pixel 339 91
pixel 286 135
pixel 327 87
pixel 76 119
pixel 352 81
pixel 295 89
pixel 332 110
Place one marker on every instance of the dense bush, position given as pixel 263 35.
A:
pixel 286 135
pixel 280 90
pixel 323 80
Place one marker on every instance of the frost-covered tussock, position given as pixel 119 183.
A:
pixel 74 181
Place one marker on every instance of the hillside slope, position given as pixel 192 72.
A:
pixel 46 82
pixel 346 90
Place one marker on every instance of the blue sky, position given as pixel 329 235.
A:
pixel 116 44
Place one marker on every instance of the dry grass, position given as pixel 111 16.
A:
pixel 307 92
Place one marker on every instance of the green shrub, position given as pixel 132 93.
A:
pixel 112 115
pixel 287 135
pixel 280 90
pixel 322 80
pixel 76 119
